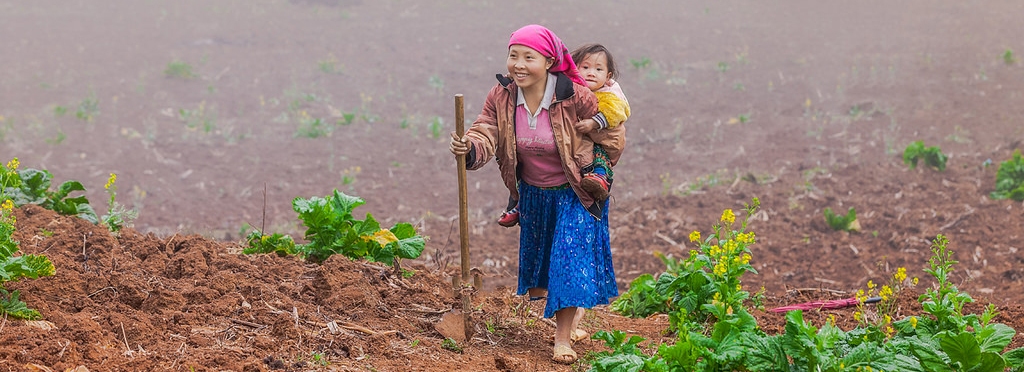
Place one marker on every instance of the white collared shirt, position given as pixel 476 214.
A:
pixel 549 94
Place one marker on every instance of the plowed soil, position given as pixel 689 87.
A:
pixel 805 105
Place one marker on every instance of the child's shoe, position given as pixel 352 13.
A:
pixel 596 185
pixel 509 218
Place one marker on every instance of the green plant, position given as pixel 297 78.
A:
pixel 118 216
pixel 436 127
pixel 88 108
pixel 641 63
pixel 847 223
pixel 1008 57
pixel 722 67
pixel 932 156
pixel 945 340
pixel 436 82
pixel 330 65
pixel 281 245
pixel 320 359
pixel 1010 179
pixel 331 229
pixel 32 186
pixel 450 345
pixel 13 268
pixel 311 127
pixel 179 69
pixel 199 119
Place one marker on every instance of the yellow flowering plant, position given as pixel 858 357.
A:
pixel 14 267
pixel 32 186
pixel 118 216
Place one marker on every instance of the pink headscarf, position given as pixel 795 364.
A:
pixel 548 44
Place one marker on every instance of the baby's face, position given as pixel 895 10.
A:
pixel 594 69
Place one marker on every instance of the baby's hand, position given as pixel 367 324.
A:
pixel 586 126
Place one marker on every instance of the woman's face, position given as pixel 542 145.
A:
pixel 527 66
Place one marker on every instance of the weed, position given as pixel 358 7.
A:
pixel 179 69
pixel 641 63
pixel 88 108
pixel 348 176
pixel 932 156
pixel 436 82
pixel 960 135
pixel 118 216
pixel 722 67
pixel 58 139
pixel 1010 179
pixel 346 118
pixel 45 233
pixel 450 345
pixel 1008 57
pixel 414 343
pixel 311 127
pixel 330 65
pixel 59 111
pixel 436 127
pixel 847 223
pixel 199 119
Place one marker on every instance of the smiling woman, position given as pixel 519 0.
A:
pixel 528 126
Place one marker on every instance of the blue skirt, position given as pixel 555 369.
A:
pixel 564 249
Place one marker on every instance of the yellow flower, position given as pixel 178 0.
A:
pixel 856 315
pixel 110 181
pixel 871 284
pixel 739 287
pixel 914 281
pixel 913 322
pixel 885 293
pixel 8 205
pixel 695 236
pixel 383 237
pixel 13 164
pixel 728 217
pixel 901 275
pixel 746 258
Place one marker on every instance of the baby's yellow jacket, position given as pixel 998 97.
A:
pixel 612 104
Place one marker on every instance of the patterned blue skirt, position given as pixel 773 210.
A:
pixel 564 249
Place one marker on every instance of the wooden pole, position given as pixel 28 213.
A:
pixel 460 130
pixel 465 290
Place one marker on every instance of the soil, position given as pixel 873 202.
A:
pixel 215 115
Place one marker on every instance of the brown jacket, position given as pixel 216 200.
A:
pixel 493 135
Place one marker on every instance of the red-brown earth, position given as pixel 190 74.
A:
pixel 806 105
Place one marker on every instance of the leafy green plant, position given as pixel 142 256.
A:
pixel 436 127
pixel 932 156
pixel 118 216
pixel 331 229
pixel 15 267
pixel 179 69
pixel 281 245
pixel 199 119
pixel 1008 57
pixel 846 222
pixel 1010 179
pixel 32 186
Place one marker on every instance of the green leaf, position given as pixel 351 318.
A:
pixel 409 245
pixel 765 353
pixel 995 337
pixel 11 305
pixel 1015 357
pixel 988 362
pixel 962 348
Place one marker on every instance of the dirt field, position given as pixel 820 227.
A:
pixel 215 115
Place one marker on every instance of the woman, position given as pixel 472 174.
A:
pixel 527 126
